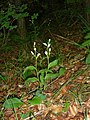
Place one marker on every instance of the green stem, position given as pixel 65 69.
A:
pixel 15 114
pixel 36 68
pixel 48 61
pixel 14 111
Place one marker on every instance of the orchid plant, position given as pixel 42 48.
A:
pixel 44 74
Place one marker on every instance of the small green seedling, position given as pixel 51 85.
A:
pixel 13 103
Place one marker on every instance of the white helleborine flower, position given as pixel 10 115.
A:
pixel 32 53
pixel 45 44
pixel 38 54
pixel 49 40
pixel 34 49
pixel 49 49
pixel 46 53
pixel 48 45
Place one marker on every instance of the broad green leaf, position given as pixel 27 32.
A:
pixel 88 59
pixel 12 103
pixel 86 43
pixel 87 36
pixel 44 71
pixel 53 63
pixel 30 68
pixel 40 95
pixel 62 71
pixel 33 79
pixel 51 76
pixel 28 71
pixel 35 101
pixel 27 74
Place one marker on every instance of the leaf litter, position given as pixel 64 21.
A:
pixel 67 97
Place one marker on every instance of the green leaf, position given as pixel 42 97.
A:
pixel 12 103
pixel 12 27
pixel 35 101
pixel 62 71
pixel 43 71
pixel 28 71
pixel 87 36
pixel 65 106
pixel 33 79
pixel 88 59
pixel 51 76
pixel 30 68
pixel 4 78
pixel 86 43
pixel 53 63
pixel 40 95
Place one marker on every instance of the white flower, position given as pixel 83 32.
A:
pixel 32 53
pixel 49 40
pixel 34 49
pixel 48 45
pixel 45 44
pixel 46 53
pixel 49 49
pixel 38 54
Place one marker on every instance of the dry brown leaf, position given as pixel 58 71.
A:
pixel 73 110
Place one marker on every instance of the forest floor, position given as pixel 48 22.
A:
pixel 67 97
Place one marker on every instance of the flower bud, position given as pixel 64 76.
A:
pixel 49 40
pixel 45 44
pixel 32 53
pixel 46 53
pixel 48 45
pixel 49 49
pixel 38 54
pixel 34 49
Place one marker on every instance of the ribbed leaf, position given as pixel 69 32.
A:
pixel 28 71
pixel 51 76
pixel 40 95
pixel 35 101
pixel 42 71
pixel 86 43
pixel 53 63
pixel 33 79
pixel 87 36
pixel 30 68
pixel 62 71
pixel 88 59
pixel 12 103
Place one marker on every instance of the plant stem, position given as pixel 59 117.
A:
pixel 48 61
pixel 36 68
pixel 15 114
